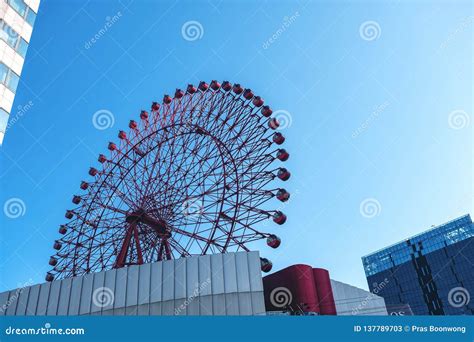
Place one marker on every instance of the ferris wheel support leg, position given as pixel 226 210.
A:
pixel 122 256
pixel 137 244
pixel 167 249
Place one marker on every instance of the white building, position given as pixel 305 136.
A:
pixel 17 18
pixel 218 284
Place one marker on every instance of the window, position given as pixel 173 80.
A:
pixel 3 72
pixel 13 39
pixel 3 120
pixel 30 17
pixel 12 81
pixel 22 47
pixel 8 77
pixel 19 6
pixel 8 34
pixel 23 10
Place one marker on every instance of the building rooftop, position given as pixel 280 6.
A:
pixel 431 240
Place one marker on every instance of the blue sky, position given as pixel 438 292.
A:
pixel 385 118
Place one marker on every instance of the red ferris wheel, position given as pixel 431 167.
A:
pixel 191 177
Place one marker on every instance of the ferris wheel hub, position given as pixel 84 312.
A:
pixel 142 216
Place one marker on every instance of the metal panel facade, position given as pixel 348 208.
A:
pixel 351 300
pixel 220 284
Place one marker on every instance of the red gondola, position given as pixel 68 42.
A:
pixel 282 154
pixel 279 217
pixel 283 174
pixel 278 138
pixel 273 241
pixel 273 123
pixel 283 195
pixel 266 265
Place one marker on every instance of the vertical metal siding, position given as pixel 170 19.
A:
pixel 75 300
pixel 43 299
pixel 86 294
pixel 97 287
pixel 220 284
pixel 64 296
pixel 23 301
pixel 53 300
pixel 33 300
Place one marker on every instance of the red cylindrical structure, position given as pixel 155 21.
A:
pixel 291 289
pixel 299 289
pixel 324 289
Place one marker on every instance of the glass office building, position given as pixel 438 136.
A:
pixel 432 272
pixel 17 18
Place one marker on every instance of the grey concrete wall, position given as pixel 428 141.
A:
pixel 351 300
pixel 219 284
